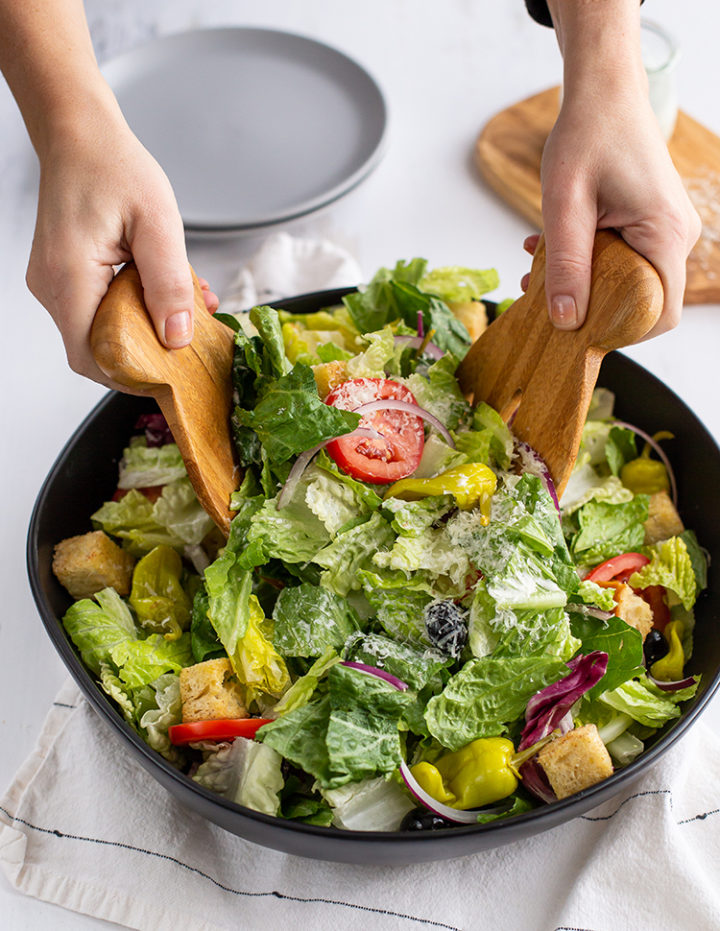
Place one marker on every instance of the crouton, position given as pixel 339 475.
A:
pixel 210 691
pixel 575 761
pixel 663 520
pixel 473 314
pixel 329 375
pixel 90 562
pixel 633 609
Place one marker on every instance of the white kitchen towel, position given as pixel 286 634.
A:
pixel 85 827
pixel 286 265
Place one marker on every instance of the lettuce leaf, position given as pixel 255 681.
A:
pixel 246 772
pixel 97 627
pixel 142 466
pixel 175 519
pixel 622 643
pixel 309 619
pixel 351 551
pixel 670 565
pixel 456 283
pixel 646 703
pixel 438 392
pixel 608 529
pixel 487 696
pixel 289 417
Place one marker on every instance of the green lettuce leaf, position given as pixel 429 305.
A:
pixel 608 529
pixel 142 466
pixel 303 688
pixel 351 551
pixel 309 619
pixel 399 603
pixel 140 662
pixel 246 772
pixel 456 283
pixel 670 565
pixel 439 392
pixel 646 703
pixel 289 417
pixel 487 696
pixel 97 627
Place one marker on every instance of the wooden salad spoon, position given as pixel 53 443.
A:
pixel 192 386
pixel 541 379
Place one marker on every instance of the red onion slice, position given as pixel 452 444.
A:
pixel 534 463
pixel 304 459
pixel 658 449
pixel 430 349
pixel 390 404
pixel 378 673
pixel 674 686
pixel 445 811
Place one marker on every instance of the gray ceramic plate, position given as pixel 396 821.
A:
pixel 252 126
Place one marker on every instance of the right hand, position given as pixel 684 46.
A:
pixel 103 201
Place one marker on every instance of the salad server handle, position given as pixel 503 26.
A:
pixel 192 385
pixel 541 379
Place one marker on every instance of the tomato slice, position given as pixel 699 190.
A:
pixel 618 568
pixel 397 452
pixel 221 729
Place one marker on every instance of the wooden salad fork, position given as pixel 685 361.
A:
pixel 541 379
pixel 192 386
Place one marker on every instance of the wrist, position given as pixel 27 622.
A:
pixel 600 44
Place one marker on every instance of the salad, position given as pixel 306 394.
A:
pixel 404 630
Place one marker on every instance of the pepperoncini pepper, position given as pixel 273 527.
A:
pixel 670 667
pixel 479 774
pixel 645 475
pixel 471 485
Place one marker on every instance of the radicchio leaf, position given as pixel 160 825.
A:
pixel 548 707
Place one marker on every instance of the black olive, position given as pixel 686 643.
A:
pixel 446 627
pixel 655 647
pixel 422 819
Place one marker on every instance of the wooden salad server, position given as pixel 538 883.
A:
pixel 541 379
pixel 192 386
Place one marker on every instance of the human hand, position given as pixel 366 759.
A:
pixel 605 164
pixel 104 200
pixel 608 166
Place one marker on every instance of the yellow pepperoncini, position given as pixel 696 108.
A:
pixel 645 475
pixel 471 485
pixel 157 595
pixel 479 774
pixel 670 667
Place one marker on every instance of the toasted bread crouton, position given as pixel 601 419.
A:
pixel 329 375
pixel 210 691
pixel 633 609
pixel 663 520
pixel 90 562
pixel 473 314
pixel 575 761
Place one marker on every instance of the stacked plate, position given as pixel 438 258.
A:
pixel 253 127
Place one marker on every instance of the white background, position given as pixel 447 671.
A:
pixel 446 68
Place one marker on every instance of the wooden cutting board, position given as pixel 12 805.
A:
pixel 508 153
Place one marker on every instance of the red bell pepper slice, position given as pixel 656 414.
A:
pixel 221 729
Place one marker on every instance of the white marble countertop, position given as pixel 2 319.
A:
pixel 446 69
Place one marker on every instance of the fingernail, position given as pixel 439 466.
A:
pixel 178 330
pixel 563 311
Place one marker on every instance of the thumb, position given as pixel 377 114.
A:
pixel 161 258
pixel 569 239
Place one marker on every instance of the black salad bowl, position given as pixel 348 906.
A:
pixel 85 474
